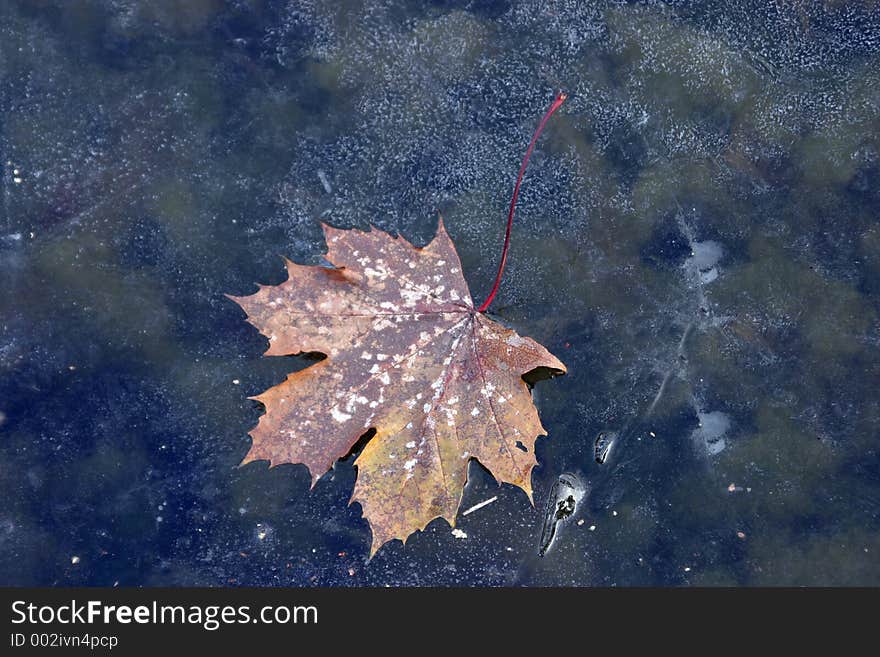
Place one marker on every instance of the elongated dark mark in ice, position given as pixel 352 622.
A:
pixel 604 444
pixel 566 494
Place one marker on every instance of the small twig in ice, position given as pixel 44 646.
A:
pixel 475 507
pixel 325 182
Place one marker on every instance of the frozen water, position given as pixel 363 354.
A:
pixel 696 239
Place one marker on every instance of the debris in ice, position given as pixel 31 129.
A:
pixel 604 443
pixel 475 507
pixel 563 501
pixel 325 182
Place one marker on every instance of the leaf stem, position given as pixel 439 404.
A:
pixel 560 98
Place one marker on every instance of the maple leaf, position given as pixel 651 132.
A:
pixel 408 355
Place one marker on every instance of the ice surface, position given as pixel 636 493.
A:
pixel 696 239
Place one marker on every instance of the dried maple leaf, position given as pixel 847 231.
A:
pixel 407 355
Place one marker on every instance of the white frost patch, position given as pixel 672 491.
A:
pixel 384 378
pixel 382 324
pixel 706 254
pixel 458 533
pixel 411 297
pixel 355 399
pixel 710 433
pixel 515 341
pixel 411 444
pixel 366 356
pixel 426 408
pixel 381 357
pixel 338 415
pixel 475 412
pixel 409 465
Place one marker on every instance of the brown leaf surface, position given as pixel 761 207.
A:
pixel 407 355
